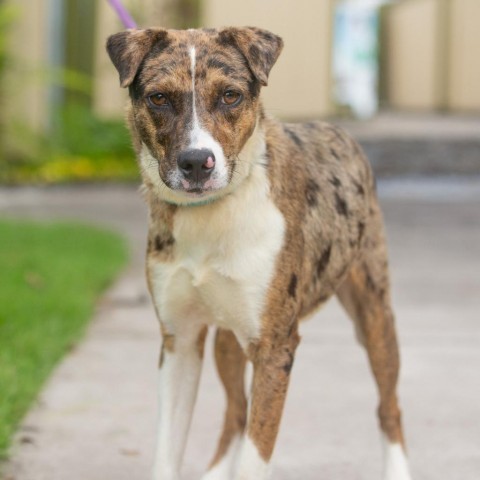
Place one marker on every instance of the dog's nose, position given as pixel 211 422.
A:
pixel 196 164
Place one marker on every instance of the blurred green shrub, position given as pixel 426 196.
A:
pixel 78 145
pixel 80 132
pixel 66 169
pixel 81 147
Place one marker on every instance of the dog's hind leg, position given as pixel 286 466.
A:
pixel 230 361
pixel 366 297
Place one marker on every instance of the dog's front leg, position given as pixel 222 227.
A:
pixel 272 359
pixel 180 366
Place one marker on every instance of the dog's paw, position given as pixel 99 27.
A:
pixel 396 463
pixel 225 468
pixel 217 474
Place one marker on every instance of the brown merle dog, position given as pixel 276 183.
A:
pixel 254 224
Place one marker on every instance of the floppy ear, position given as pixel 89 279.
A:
pixel 127 50
pixel 261 48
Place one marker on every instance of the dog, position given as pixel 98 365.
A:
pixel 253 225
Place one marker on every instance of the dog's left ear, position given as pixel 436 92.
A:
pixel 261 48
pixel 128 49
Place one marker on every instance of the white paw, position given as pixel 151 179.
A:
pixel 165 476
pixel 163 471
pixel 217 473
pixel 225 468
pixel 395 462
pixel 251 465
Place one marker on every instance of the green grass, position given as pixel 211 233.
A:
pixel 50 278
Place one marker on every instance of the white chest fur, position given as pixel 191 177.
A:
pixel 224 258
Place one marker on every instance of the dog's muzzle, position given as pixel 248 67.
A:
pixel 196 166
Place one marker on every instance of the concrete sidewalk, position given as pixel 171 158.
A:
pixel 95 419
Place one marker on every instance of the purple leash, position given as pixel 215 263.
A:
pixel 122 12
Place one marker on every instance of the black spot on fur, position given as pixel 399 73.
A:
pixel 297 140
pixel 292 329
pixel 338 135
pixel 169 50
pixel 323 298
pixel 323 261
pixel 218 64
pixel 334 153
pixel 311 125
pixel 269 37
pixel 341 205
pixel 135 90
pixel 167 68
pixel 254 89
pixel 201 55
pixel 161 243
pixel 361 231
pixel 360 189
pixel 163 45
pixel 254 51
pixel 311 192
pixel 201 75
pixel 369 281
pixel 335 181
pixel 287 367
pixel 292 287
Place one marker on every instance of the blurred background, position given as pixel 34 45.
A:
pixel 411 65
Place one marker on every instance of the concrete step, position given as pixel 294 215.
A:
pixel 419 144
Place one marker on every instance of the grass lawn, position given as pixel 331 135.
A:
pixel 50 278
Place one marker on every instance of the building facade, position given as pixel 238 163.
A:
pixel 429 54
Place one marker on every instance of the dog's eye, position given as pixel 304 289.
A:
pixel 158 100
pixel 231 97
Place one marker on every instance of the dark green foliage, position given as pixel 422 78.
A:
pixel 79 132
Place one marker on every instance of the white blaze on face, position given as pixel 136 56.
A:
pixel 201 138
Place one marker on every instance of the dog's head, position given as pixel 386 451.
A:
pixel 195 103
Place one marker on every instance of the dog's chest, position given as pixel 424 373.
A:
pixel 223 261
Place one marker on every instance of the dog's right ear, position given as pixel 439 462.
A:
pixel 127 50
